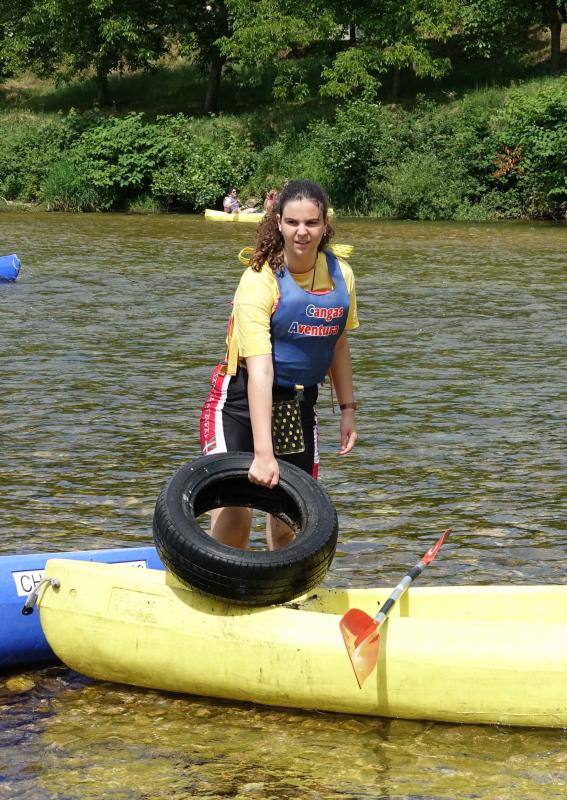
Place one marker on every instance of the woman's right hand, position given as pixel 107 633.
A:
pixel 264 471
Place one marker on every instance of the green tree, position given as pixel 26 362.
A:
pixel 390 36
pixel 362 40
pixel 73 36
pixel 495 28
pixel 554 15
pixel 198 26
pixel 491 28
pixel 277 34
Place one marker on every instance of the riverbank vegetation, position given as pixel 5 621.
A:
pixel 429 109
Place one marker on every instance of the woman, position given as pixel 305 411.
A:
pixel 231 203
pixel 287 331
pixel 270 201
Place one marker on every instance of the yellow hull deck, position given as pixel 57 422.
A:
pixel 486 654
pixel 238 216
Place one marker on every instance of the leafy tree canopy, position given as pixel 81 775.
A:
pixel 362 39
pixel 71 36
pixel 343 50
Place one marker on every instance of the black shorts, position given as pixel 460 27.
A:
pixel 226 425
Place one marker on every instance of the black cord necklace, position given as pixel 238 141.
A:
pixel 314 272
pixel 283 265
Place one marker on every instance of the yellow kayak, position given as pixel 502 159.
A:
pixel 239 216
pixel 478 654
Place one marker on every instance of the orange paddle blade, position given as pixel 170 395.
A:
pixel 362 640
pixel 360 631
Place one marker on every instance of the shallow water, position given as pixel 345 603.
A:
pixel 109 336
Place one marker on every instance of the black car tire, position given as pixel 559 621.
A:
pixel 247 577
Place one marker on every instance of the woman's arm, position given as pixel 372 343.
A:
pixel 341 375
pixel 264 469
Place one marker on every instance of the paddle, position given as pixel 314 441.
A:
pixel 361 632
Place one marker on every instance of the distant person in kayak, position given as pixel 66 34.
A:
pixel 271 201
pixel 291 311
pixel 231 203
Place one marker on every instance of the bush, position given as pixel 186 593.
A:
pixel 202 159
pixel 29 145
pixel 423 186
pixel 106 162
pixel 344 155
pixel 119 157
pixel 145 204
pixel 530 143
pixel 436 161
pixel 109 162
pixel 272 165
pixel 293 155
pixel 67 187
pixel 443 170
pixel 494 153
pixel 365 140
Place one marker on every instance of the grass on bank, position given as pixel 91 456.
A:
pixel 171 87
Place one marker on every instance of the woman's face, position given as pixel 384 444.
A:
pixel 302 226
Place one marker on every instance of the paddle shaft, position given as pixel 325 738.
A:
pixel 398 592
pixel 408 579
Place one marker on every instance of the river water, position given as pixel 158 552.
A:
pixel 108 338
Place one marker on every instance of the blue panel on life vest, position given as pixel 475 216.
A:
pixel 306 326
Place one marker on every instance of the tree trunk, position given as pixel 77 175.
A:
pixel 352 33
pixel 103 95
pixel 396 84
pixel 213 88
pixel 554 22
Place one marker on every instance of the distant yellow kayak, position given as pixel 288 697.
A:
pixel 477 654
pixel 252 217
pixel 237 216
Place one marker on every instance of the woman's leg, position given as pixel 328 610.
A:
pixel 278 533
pixel 225 426
pixel 231 526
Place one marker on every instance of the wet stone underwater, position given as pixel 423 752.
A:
pixel 110 335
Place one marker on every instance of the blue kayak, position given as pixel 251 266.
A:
pixel 9 267
pixel 21 639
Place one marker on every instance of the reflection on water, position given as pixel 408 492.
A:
pixel 108 339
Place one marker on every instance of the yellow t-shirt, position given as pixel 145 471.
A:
pixel 256 298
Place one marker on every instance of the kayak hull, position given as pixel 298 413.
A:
pixel 22 641
pixel 250 218
pixel 459 654
pixel 254 217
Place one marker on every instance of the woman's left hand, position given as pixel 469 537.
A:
pixel 348 435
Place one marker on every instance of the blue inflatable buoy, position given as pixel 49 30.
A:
pixel 9 267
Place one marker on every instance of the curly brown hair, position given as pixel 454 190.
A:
pixel 269 241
